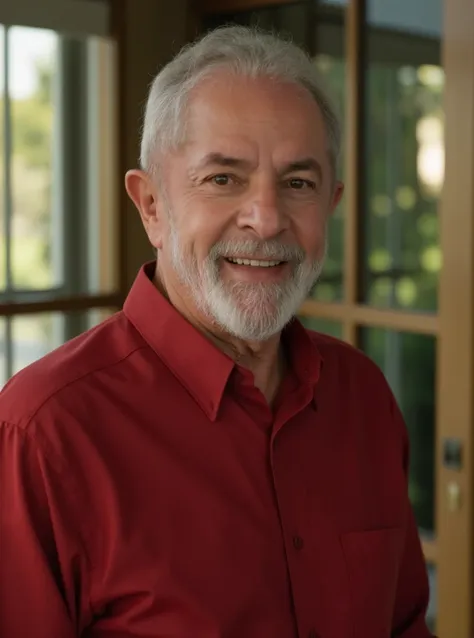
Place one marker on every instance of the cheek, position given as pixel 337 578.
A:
pixel 310 231
pixel 204 225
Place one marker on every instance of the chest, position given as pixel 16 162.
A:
pixel 229 528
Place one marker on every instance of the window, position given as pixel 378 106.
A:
pixel 379 286
pixel 58 244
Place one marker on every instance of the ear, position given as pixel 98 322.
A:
pixel 144 194
pixel 336 195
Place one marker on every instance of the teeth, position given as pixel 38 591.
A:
pixel 254 262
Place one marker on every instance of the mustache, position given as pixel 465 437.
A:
pixel 271 249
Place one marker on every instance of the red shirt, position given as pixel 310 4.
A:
pixel 148 491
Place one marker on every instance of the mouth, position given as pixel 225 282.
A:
pixel 255 263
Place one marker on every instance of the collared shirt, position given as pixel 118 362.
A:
pixel 147 490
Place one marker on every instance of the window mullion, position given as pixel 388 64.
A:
pixel 7 196
pixel 73 115
pixel 7 161
pixel 8 347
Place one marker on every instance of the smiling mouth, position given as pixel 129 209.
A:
pixel 258 263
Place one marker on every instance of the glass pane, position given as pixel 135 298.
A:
pixel 405 155
pixel 409 364
pixel 34 125
pixel 98 315
pixel 63 123
pixel 431 614
pixel 289 19
pixel 33 336
pixel 326 326
pixel 330 60
pixel 419 17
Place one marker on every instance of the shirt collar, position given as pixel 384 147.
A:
pixel 187 352
pixel 201 367
pixel 303 355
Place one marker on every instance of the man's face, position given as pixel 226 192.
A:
pixel 243 228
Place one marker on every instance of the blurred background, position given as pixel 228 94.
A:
pixel 399 279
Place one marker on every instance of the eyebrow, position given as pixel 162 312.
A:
pixel 309 164
pixel 218 159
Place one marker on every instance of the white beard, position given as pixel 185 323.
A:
pixel 251 312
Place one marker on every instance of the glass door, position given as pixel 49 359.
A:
pixel 399 277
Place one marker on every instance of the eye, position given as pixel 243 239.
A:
pixel 298 184
pixel 222 179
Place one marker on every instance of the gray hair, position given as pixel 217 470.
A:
pixel 245 51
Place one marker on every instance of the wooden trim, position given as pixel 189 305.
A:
pixel 354 139
pixel 360 315
pixel 66 304
pixel 455 383
pixel 355 14
pixel 108 188
pixel 229 6
pixel 430 551
pixel 194 26
pixel 66 16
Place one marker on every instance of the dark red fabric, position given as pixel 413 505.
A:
pixel 148 491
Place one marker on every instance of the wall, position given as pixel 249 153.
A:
pixel 78 17
pixel 153 31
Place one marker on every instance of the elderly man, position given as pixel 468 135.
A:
pixel 200 465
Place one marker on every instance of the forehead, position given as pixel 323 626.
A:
pixel 256 114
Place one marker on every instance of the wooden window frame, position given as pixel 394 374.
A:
pixel 71 300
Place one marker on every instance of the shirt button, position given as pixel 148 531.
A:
pixel 298 543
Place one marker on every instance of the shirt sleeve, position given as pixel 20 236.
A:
pixel 42 569
pixel 413 588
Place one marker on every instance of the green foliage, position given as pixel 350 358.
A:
pixel 32 144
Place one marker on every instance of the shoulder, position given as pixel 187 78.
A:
pixel 333 350
pixel 347 365
pixel 71 368
pixel 353 382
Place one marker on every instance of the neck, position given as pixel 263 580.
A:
pixel 265 359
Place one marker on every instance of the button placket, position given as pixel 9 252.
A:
pixel 298 543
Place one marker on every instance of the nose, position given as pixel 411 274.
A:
pixel 263 213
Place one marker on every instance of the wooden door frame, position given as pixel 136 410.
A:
pixel 455 388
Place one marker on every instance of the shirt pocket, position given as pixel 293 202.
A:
pixel 372 561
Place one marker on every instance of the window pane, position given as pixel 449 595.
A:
pixel 34 336
pixel 420 17
pixel 63 123
pixel 34 126
pixel 405 156
pixel 98 315
pixel 331 282
pixel 431 614
pixel 408 362
pixel 288 19
pixel 330 60
pixel 326 326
